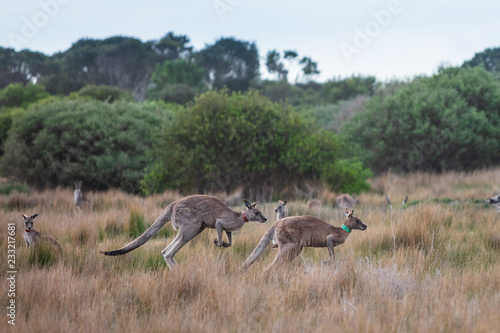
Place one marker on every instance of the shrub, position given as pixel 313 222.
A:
pixel 223 141
pixel 448 121
pixel 99 143
pixel 104 93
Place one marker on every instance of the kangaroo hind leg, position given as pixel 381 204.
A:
pixel 179 241
pixel 287 253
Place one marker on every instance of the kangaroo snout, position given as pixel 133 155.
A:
pixel 265 220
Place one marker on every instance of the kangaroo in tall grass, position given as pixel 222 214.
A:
pixel 282 212
pixel 314 204
pixel 296 232
pixel 33 237
pixel 190 216
pixel 79 198
pixel 346 201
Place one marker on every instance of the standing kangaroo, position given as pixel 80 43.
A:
pixel 282 212
pixel 296 232
pixel 346 201
pixel 314 204
pixel 191 215
pixel 79 198
pixel 33 237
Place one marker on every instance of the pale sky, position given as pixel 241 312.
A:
pixel 384 38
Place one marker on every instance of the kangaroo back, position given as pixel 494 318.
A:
pixel 160 222
pixel 52 240
pixel 264 242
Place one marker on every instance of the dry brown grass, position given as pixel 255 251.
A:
pixel 432 266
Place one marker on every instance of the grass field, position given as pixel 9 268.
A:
pixel 431 266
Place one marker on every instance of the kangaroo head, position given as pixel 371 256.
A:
pixel 252 213
pixel 352 222
pixel 281 207
pixel 78 185
pixel 28 222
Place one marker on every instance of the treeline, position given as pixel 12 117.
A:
pixel 144 117
pixel 171 70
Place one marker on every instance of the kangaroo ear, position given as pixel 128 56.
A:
pixel 24 216
pixel 350 214
pixel 34 216
pixel 255 204
pixel 346 211
pixel 247 203
pixel 284 202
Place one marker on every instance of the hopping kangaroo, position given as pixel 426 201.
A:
pixel 80 199
pixel 282 212
pixel 191 215
pixel 33 237
pixel 346 201
pixel 296 232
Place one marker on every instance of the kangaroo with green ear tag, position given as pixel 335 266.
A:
pixel 296 232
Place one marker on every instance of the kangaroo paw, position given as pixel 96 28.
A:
pixel 216 242
pixel 224 244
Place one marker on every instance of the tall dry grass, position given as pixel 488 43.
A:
pixel 431 266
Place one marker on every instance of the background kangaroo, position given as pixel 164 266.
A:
pixel 314 204
pixel 33 237
pixel 296 232
pixel 346 201
pixel 282 212
pixel 191 215
pixel 80 200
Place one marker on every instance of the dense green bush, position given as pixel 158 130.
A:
pixel 104 93
pixel 448 121
pixel 177 81
pixel 224 141
pixel 100 143
pixel 19 95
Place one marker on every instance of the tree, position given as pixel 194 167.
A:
pixel 24 66
pixel 310 68
pixel 123 62
pixel 450 121
pixel 336 90
pixel 230 63
pixel 274 65
pixel 100 143
pixel 177 81
pixel 172 47
pixel 225 140
pixel 489 58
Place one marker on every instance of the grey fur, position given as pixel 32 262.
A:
pixel 33 237
pixel 190 216
pixel 296 232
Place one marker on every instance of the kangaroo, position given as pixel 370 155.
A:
pixel 346 201
pixel 33 237
pixel 191 215
pixel 80 200
pixel 314 204
pixel 282 212
pixel 296 232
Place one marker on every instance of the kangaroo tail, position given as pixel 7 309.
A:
pixel 264 242
pixel 160 222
